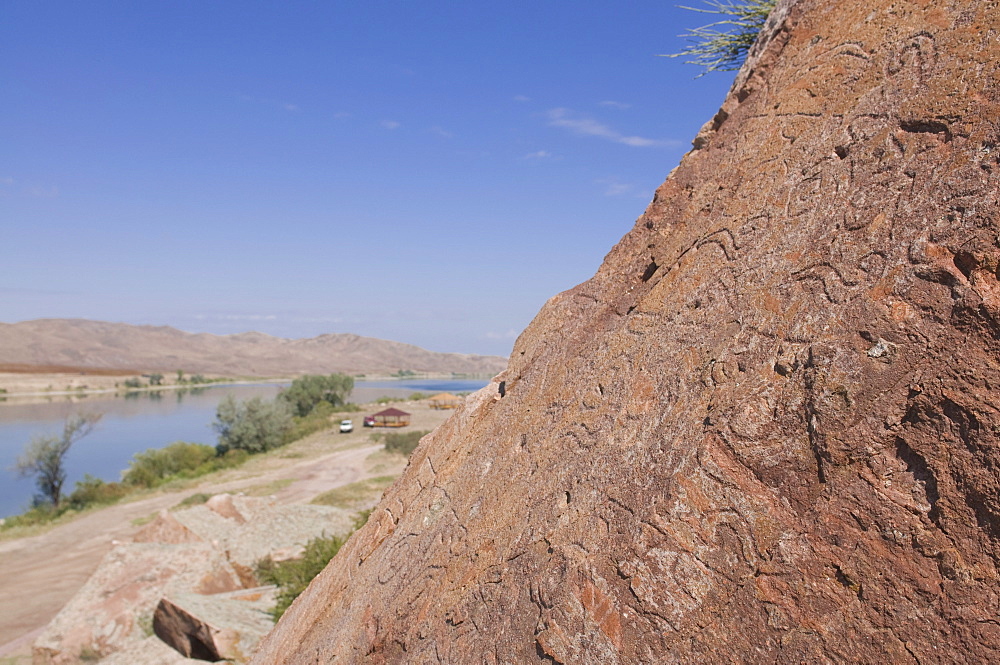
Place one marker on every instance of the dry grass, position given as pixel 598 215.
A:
pixel 356 496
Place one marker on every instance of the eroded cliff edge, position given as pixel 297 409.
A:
pixel 767 429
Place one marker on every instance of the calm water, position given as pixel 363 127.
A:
pixel 147 420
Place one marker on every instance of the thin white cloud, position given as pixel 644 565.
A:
pixel 541 154
pixel 236 317
pixel 274 103
pixel 323 319
pixel 587 126
pixel 443 133
pixel 342 114
pixel 616 105
pixel 614 188
pixel 391 124
pixel 35 293
pixel 521 98
pixel 42 192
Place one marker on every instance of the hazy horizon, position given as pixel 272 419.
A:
pixel 427 175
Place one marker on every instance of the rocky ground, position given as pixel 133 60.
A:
pixel 44 571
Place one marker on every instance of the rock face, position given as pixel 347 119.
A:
pixel 767 429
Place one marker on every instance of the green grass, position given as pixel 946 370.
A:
pixel 267 489
pixel 723 45
pixel 193 500
pixel 142 521
pixel 355 495
pixel 292 577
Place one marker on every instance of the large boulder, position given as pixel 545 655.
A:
pixel 115 606
pixel 200 555
pixel 767 430
pixel 225 626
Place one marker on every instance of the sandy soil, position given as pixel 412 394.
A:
pixel 42 572
pixel 57 383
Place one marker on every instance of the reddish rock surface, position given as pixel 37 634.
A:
pixel 767 429
pixel 186 575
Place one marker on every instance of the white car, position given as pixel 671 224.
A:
pixel 346 426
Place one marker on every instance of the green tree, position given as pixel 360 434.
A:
pixel 156 379
pixel 253 425
pixel 309 390
pixel 723 45
pixel 44 456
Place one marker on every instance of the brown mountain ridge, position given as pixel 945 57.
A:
pixel 99 345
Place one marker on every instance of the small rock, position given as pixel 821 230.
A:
pixel 882 349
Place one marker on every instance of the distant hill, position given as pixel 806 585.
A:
pixel 79 343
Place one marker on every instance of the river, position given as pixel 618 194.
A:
pixel 145 420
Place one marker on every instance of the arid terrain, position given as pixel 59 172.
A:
pixel 94 348
pixel 43 570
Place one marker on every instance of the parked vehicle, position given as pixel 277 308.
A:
pixel 369 421
pixel 346 426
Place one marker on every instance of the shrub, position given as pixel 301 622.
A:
pixel 254 425
pixel 93 491
pixel 725 49
pixel 194 500
pixel 153 466
pixel 403 443
pixel 317 420
pixel 292 577
pixel 40 513
pixel 133 382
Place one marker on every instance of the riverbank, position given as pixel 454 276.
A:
pixel 44 570
pixel 27 387
pixel 75 385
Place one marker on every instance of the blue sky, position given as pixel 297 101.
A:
pixel 425 172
